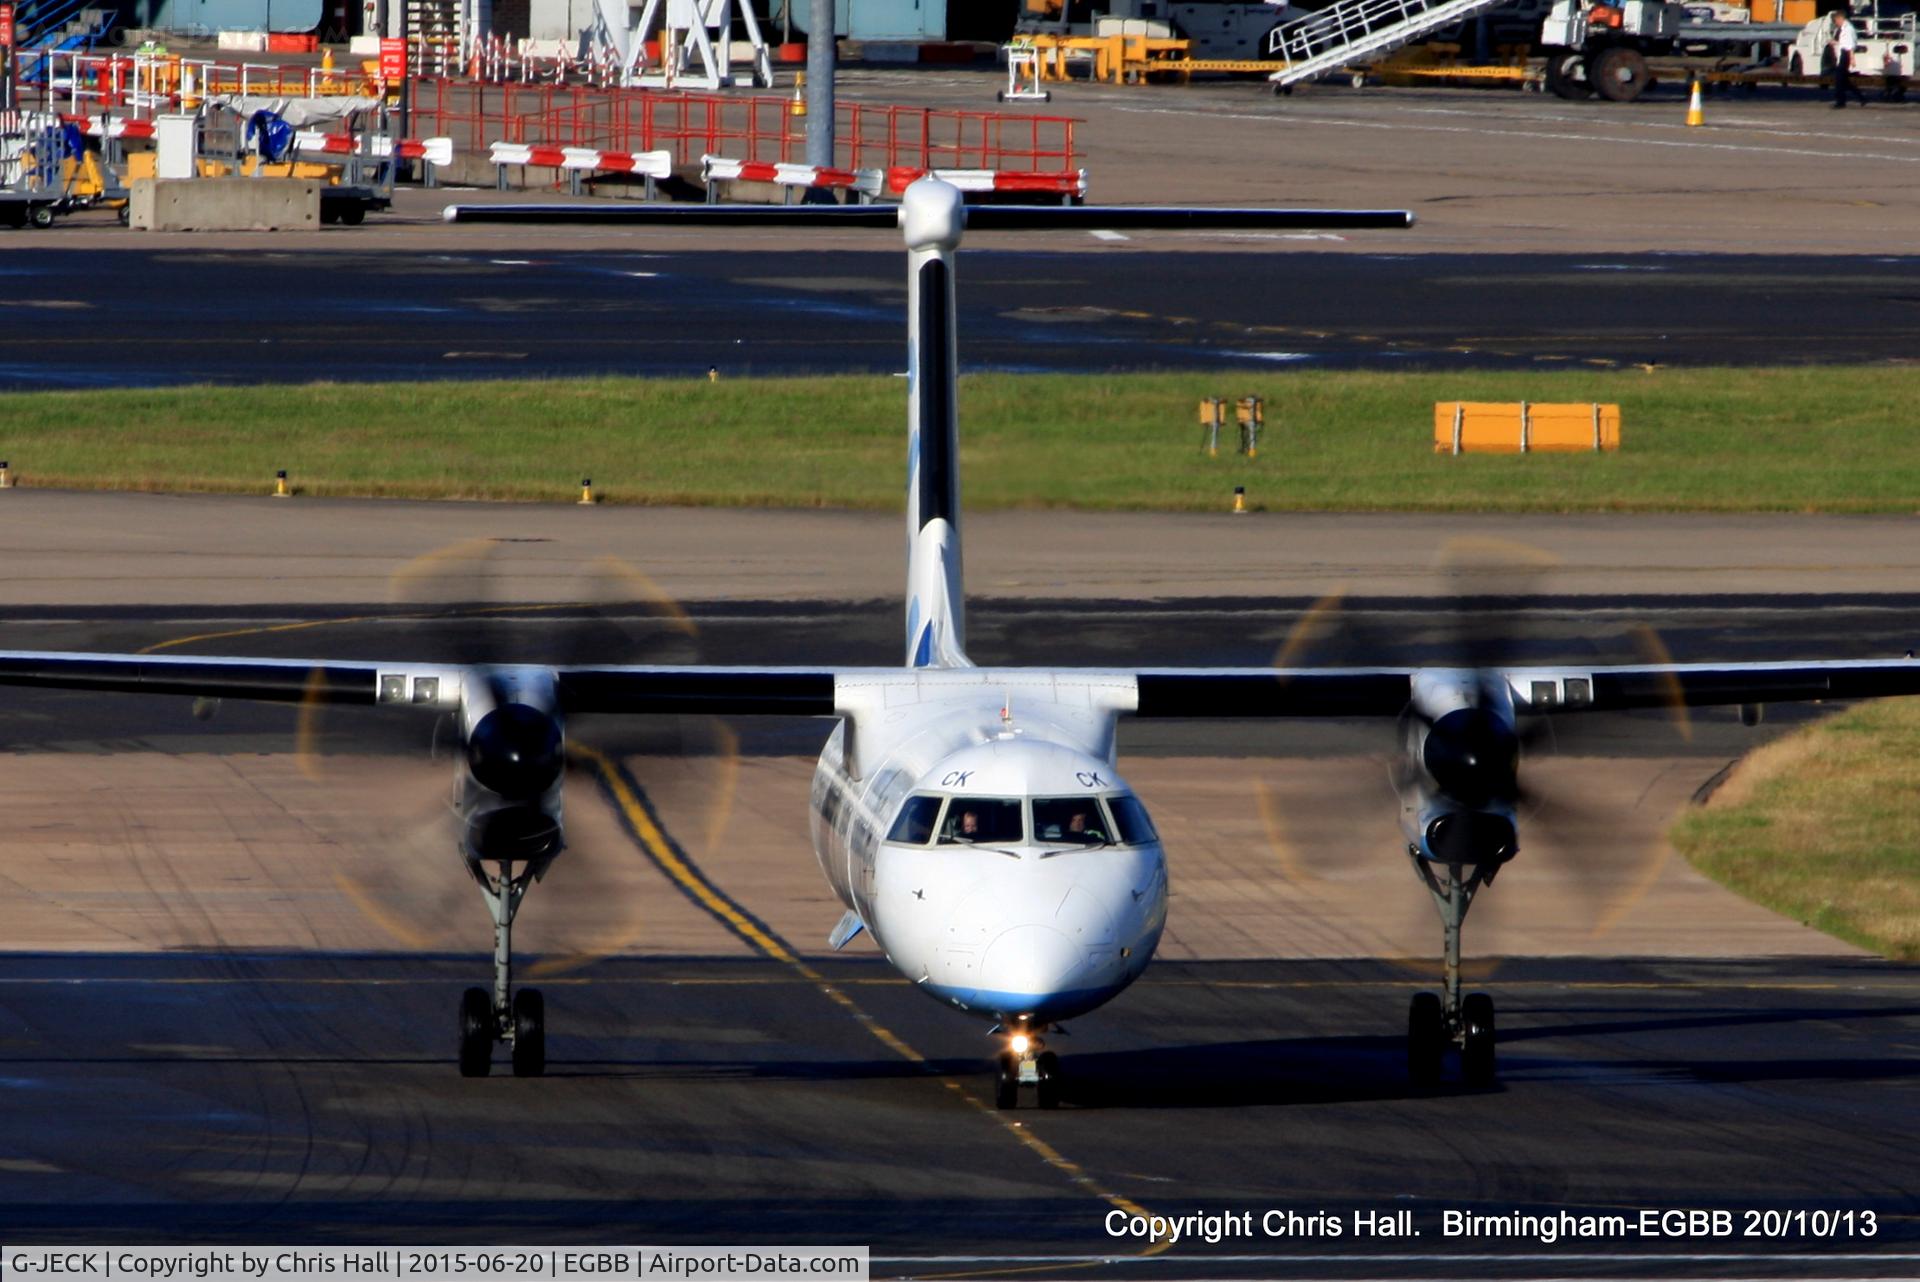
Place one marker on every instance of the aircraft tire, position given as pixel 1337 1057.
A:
pixel 1426 1039
pixel 1048 1094
pixel 1006 1084
pixel 1477 1058
pixel 476 1033
pixel 529 1033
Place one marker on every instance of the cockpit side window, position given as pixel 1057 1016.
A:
pixel 1130 819
pixel 916 821
pixel 985 821
pixel 1073 821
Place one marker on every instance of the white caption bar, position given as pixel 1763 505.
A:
pixel 428 1264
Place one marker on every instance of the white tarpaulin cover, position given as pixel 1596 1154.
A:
pixel 298 112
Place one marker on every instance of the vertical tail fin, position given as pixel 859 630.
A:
pixel 931 215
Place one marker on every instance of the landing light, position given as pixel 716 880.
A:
pixel 1018 1043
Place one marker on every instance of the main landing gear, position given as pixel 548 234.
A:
pixel 1025 1061
pixel 1435 1022
pixel 518 1019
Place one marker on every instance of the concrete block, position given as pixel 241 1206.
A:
pixel 224 204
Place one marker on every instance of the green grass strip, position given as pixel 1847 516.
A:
pixel 1823 825
pixel 1790 439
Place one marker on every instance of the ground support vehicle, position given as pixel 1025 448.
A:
pixel 1600 48
pixel 1884 52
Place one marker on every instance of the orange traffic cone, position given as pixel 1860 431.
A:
pixel 1696 113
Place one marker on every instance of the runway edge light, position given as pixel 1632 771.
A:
pixel 280 490
pixel 1239 500
pixel 586 491
pixel 6 475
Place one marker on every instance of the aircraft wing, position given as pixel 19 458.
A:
pixel 1359 692
pixel 715 690
pixel 822 691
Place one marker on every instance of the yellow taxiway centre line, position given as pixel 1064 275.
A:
pixel 660 851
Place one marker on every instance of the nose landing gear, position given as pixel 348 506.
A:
pixel 1434 1023
pixel 518 1019
pixel 1024 1060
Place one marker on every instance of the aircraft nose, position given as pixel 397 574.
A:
pixel 1027 963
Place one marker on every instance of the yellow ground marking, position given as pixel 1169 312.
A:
pixel 663 854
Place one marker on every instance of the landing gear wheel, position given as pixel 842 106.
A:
pixel 42 216
pixel 1566 76
pixel 529 1033
pixel 1006 1087
pixel 1619 74
pixel 1476 1050
pixel 1048 1066
pixel 476 1033
pixel 1426 1039
pixel 353 215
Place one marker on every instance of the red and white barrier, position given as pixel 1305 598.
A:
pixel 1071 183
pixel 111 126
pixel 435 151
pixel 648 164
pixel 720 169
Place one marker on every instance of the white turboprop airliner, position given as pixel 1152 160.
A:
pixel 973 820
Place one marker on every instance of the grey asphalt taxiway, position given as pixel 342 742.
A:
pixel 302 1097
pixel 212 315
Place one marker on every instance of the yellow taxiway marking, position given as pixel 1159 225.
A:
pixel 662 853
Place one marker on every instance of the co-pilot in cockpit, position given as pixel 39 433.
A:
pixel 1116 819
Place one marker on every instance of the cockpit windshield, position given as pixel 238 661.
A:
pixel 915 824
pixel 1130 818
pixel 984 821
pixel 1112 820
pixel 1076 821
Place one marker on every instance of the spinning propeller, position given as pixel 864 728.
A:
pixel 512 745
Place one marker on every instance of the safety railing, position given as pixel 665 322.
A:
pixel 1327 39
pixel 142 84
pixel 758 127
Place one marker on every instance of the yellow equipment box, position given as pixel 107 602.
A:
pixel 1522 427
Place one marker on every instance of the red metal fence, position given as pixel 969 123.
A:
pixel 741 127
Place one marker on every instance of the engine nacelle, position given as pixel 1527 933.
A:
pixel 1460 777
pixel 509 792
pixel 1460 738
pixel 1449 834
